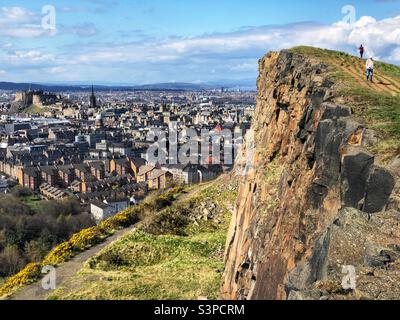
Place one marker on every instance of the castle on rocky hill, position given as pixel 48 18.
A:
pixel 35 97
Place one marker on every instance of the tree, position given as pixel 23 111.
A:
pixel 26 234
pixel 20 191
pixel 35 251
pixel 3 239
pixel 11 261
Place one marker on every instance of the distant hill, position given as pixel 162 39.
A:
pixel 34 86
pixel 173 86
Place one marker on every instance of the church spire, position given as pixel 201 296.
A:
pixel 93 103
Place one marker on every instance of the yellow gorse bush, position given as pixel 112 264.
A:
pixel 88 237
pixel 27 275
pixel 59 254
pixel 83 240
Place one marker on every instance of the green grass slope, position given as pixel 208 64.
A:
pixel 36 110
pixel 176 255
pixel 376 105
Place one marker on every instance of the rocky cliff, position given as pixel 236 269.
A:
pixel 312 198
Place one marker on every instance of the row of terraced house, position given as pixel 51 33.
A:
pixel 82 178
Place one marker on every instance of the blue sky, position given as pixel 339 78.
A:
pixel 138 41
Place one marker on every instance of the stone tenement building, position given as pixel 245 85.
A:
pixel 106 179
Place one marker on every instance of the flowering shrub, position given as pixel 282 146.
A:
pixel 58 254
pixel 87 238
pixel 123 219
pixel 173 193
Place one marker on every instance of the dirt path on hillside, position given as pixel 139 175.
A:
pixel 376 85
pixel 391 82
pixel 386 83
pixel 394 82
pixel 382 83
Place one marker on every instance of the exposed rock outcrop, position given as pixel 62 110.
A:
pixel 308 164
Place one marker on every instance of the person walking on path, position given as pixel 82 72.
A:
pixel 361 50
pixel 370 68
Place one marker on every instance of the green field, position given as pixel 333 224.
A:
pixel 34 202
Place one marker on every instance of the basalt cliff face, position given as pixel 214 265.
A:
pixel 312 199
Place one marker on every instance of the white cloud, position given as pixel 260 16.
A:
pixel 232 55
pixel 23 32
pixel 57 70
pixel 18 22
pixel 246 66
pixel 380 37
pixel 26 59
pixel 16 15
pixel 33 56
pixel 395 55
pixel 84 30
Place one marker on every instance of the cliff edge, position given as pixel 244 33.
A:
pixel 319 183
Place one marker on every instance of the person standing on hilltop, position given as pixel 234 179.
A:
pixel 361 50
pixel 370 68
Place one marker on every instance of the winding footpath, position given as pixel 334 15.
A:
pixel 382 83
